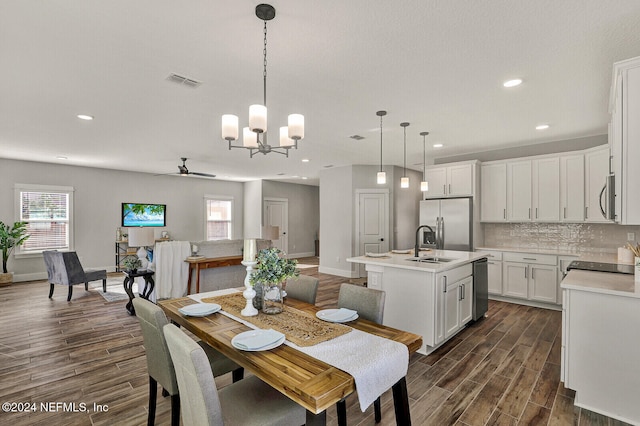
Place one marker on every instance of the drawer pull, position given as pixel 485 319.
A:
pixel 529 258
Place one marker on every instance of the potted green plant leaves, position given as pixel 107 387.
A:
pixel 272 270
pixel 10 237
pixel 131 263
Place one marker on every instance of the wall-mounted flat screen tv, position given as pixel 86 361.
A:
pixel 137 214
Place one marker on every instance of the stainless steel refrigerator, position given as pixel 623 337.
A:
pixel 452 223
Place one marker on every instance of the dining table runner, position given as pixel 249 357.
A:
pixel 375 363
pixel 301 328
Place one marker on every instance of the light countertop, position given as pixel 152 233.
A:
pixel 602 282
pixel 399 260
pixel 588 256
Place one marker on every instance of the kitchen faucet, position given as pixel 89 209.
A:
pixel 417 252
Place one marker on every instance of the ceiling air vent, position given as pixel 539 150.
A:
pixel 357 137
pixel 178 79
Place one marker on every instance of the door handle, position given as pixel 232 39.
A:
pixel 381 239
pixel 604 214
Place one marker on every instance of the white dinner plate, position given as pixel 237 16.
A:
pixel 325 313
pixel 376 254
pixel 200 309
pixel 257 336
pixel 405 251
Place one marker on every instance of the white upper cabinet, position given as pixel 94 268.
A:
pixel 493 192
pixel 596 172
pixel 453 180
pixel 572 188
pixel 546 190
pixel 624 137
pixel 519 191
pixel 437 178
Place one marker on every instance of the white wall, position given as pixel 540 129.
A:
pixel 304 214
pixel 97 206
pixel 338 186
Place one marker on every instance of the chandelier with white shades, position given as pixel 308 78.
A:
pixel 254 137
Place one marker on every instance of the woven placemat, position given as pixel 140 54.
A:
pixel 301 328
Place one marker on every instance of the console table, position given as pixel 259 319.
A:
pixel 149 284
pixel 206 263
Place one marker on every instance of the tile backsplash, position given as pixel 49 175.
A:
pixel 574 237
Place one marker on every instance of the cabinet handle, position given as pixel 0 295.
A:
pixel 460 293
pixel 532 277
pixel 586 212
pixel 529 258
pixel 529 212
pixel 536 212
pixel 565 213
pixel 464 290
pixel 449 188
pixel 444 189
pixel 444 284
pixel 525 272
pixel 491 263
pixel 504 213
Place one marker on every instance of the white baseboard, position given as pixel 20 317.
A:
pixel 338 272
pixel 298 255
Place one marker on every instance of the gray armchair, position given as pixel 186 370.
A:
pixel 65 268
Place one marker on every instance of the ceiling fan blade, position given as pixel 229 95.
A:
pixel 202 174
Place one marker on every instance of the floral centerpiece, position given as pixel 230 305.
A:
pixel 272 270
pixel 131 263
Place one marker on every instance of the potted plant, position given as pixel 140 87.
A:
pixel 272 270
pixel 131 263
pixel 10 237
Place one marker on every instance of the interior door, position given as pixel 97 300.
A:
pixel 373 224
pixel 276 213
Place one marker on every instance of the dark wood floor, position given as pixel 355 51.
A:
pixel 503 370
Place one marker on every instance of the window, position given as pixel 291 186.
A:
pixel 48 213
pixel 218 214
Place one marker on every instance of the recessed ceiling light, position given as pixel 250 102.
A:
pixel 437 145
pixel 85 117
pixel 304 177
pixel 542 127
pixel 61 157
pixel 305 160
pixel 512 83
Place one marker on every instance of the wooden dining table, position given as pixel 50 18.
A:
pixel 312 383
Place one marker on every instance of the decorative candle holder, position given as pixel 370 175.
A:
pixel 249 293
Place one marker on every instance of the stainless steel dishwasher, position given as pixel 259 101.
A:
pixel 480 289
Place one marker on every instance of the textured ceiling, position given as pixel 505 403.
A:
pixel 436 64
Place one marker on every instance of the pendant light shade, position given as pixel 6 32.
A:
pixel 382 176
pixel 404 181
pixel 424 185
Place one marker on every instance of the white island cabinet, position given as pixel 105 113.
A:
pixel 434 300
pixel 600 352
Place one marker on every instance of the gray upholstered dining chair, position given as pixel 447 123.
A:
pixel 369 303
pixel 159 365
pixel 249 402
pixel 303 288
pixel 63 267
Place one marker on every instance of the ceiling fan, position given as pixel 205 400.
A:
pixel 184 171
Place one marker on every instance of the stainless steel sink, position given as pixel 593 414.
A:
pixel 430 259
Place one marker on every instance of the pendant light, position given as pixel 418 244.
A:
pixel 382 176
pixel 424 185
pixel 254 137
pixel 404 180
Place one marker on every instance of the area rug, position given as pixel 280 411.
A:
pixel 115 290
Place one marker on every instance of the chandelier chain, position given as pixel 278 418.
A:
pixel 380 142
pixel 264 64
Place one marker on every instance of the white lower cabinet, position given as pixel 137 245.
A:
pixel 494 271
pixel 530 276
pixel 458 306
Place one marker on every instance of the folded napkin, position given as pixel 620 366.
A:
pixel 341 314
pixel 259 340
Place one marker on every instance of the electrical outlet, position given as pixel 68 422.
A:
pixel 631 236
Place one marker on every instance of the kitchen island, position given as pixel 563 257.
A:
pixel 432 297
pixel 600 352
